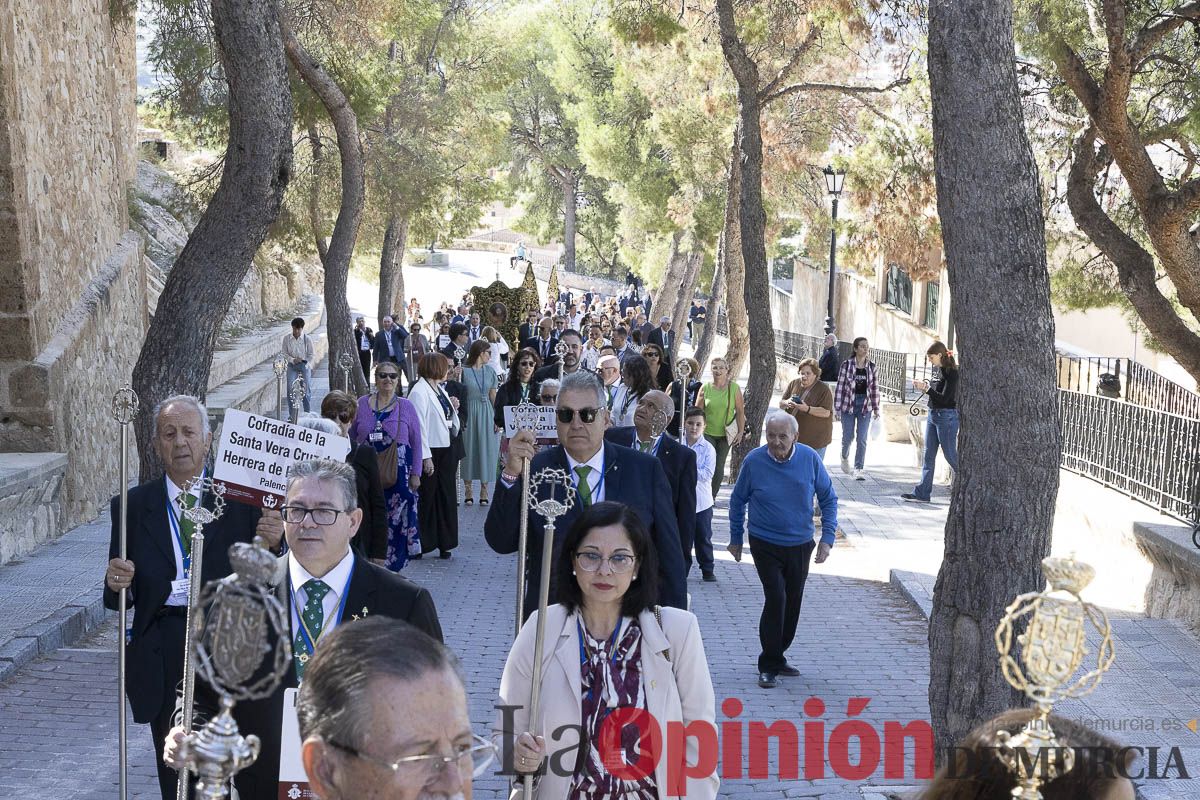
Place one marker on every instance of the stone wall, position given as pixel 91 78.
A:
pixel 30 502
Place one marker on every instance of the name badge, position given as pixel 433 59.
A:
pixel 375 436
pixel 180 589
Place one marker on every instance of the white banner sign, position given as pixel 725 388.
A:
pixel 547 427
pixel 256 453
pixel 293 780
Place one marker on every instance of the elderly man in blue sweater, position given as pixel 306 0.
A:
pixel 777 483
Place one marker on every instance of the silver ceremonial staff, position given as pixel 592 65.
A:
pixel 551 509
pixel 684 370
pixel 526 415
pixel 560 350
pixel 280 367
pixel 125 407
pixel 345 361
pixel 297 394
pixel 200 517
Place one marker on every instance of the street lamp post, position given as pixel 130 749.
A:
pixel 834 179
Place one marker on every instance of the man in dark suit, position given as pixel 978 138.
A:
pixel 600 471
pixel 664 337
pixel 364 342
pixel 543 341
pixel 529 328
pixel 390 345
pixel 458 341
pixel 570 359
pixel 678 461
pixel 322 584
pixel 159 542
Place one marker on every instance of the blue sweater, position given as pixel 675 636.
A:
pixel 780 497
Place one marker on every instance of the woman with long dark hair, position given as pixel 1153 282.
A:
pixel 626 655
pixel 661 373
pixel 941 427
pixel 635 375
pixel 855 401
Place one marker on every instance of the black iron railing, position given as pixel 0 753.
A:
pixel 1143 452
pixel 1136 383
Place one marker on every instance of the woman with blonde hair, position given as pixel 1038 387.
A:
pixel 724 415
pixel 499 349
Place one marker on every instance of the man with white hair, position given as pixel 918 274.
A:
pixel 829 362
pixel 390 345
pixel 774 482
pixel 158 569
pixel 664 337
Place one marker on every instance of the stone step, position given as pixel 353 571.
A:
pixel 255 389
pixel 30 504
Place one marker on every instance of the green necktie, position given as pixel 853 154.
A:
pixel 312 617
pixel 611 392
pixel 646 446
pixel 186 527
pixel 583 489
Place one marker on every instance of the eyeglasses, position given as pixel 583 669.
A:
pixel 650 354
pixel 526 364
pixel 586 415
pixel 386 376
pixel 620 563
pixel 322 516
pixel 344 417
pixel 479 753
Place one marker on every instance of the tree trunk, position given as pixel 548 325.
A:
pixel 177 354
pixel 734 263
pixel 1002 505
pixel 345 230
pixel 314 194
pixel 391 266
pixel 713 307
pixel 692 261
pixel 663 299
pixel 569 185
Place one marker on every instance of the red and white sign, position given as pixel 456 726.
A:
pixel 256 454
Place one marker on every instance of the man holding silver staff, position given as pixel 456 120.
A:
pixel 601 472
pixel 323 584
pixel 158 567
pixel 677 460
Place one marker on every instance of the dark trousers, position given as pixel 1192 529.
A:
pixel 172 631
pixel 782 571
pixel 364 357
pixel 721 445
pixel 704 548
pixel 437 506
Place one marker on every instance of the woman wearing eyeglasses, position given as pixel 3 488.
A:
pixel 661 374
pixel 389 424
pixel 608 647
pixel 520 387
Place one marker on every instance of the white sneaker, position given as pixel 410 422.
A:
pixel 846 466
pixel 860 474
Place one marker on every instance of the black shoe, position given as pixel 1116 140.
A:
pixel 470 501
pixel 766 680
pixel 417 557
pixel 914 498
pixel 446 554
pixel 709 576
pixel 788 671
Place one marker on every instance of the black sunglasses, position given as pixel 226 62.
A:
pixel 386 376
pixel 586 415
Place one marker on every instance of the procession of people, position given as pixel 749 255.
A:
pixel 640 455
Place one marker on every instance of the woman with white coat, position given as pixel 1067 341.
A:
pixel 608 648
pixel 437 509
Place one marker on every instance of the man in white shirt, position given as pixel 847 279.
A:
pixel 298 349
pixel 609 368
pixel 574 317
pixel 474 330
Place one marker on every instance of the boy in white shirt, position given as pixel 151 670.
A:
pixel 706 464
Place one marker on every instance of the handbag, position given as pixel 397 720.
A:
pixel 731 428
pixel 389 466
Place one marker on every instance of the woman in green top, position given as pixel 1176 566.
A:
pixel 723 406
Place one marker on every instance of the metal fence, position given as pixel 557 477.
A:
pixel 1150 455
pixel 1136 383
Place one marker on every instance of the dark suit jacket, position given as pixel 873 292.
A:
pixel 149 548
pixel 399 337
pixel 449 350
pixel 372 535
pixel 679 463
pixel 526 332
pixel 457 389
pixel 510 395
pixel 633 478
pixel 373 588
pixel 536 344
pixel 666 343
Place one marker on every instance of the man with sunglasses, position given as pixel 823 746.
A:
pixel 600 471
pixel 323 585
pixel 383 713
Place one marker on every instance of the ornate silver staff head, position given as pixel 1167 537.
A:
pixel 279 365
pixel 658 422
pixel 460 354
pixel 345 361
pixel 560 350
pixel 198 514
pixel 683 369
pixel 231 645
pixel 125 405
pixel 298 392
pixel 527 415
pixel 550 507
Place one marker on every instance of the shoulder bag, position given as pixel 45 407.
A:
pixel 731 428
pixel 389 464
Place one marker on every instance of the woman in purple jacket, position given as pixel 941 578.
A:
pixel 385 419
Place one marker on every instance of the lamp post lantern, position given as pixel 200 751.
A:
pixel 834 180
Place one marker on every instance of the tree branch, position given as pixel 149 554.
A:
pixel 850 91
pixel 1149 36
pixel 793 60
